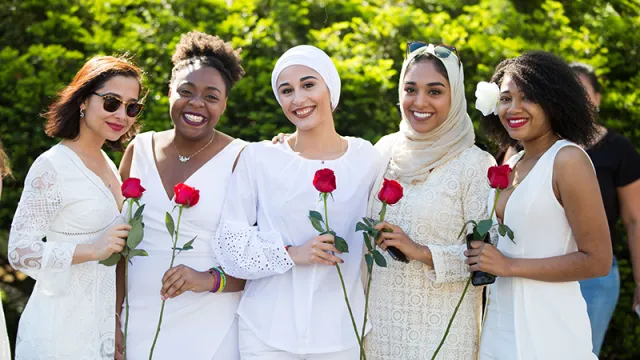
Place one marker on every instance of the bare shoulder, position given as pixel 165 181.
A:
pixel 570 159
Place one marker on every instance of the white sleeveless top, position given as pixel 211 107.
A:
pixel 530 319
pixel 193 324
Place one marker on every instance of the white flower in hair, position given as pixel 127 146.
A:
pixel 487 98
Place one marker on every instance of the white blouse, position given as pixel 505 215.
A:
pixel 71 312
pixel 298 309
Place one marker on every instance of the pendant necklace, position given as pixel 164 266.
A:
pixel 183 158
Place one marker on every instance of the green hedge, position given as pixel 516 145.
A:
pixel 43 44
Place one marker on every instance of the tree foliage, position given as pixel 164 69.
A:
pixel 43 44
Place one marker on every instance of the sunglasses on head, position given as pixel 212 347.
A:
pixel 440 50
pixel 112 104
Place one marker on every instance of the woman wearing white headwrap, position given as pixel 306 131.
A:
pixel 444 178
pixel 293 305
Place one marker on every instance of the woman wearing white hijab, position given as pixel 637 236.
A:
pixel 293 306
pixel 444 178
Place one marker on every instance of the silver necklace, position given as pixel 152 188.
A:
pixel 183 158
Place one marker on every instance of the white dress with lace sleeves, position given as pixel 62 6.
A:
pixel 70 314
pixel 411 304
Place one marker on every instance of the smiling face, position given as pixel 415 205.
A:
pixel 304 96
pixel 426 98
pixel 523 119
pixel 103 124
pixel 197 99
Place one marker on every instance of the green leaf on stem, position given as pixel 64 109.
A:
pixel 137 252
pixel 369 260
pixel 369 221
pixel 374 233
pixel 483 227
pixel 367 241
pixel 168 221
pixel 315 215
pixel 510 234
pixel 135 234
pixel 379 259
pixel 341 244
pixel 111 260
pixel 316 224
pixel 502 230
pixel 360 226
pixel 138 213
pixel 189 245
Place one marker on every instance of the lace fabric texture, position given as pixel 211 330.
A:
pixel 70 313
pixel 410 304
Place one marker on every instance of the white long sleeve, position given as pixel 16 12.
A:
pixel 244 251
pixel 40 202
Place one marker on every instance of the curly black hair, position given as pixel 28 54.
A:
pixel 548 81
pixel 209 50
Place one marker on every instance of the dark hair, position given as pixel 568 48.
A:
pixel 63 116
pixel 211 51
pixel 437 63
pixel 587 70
pixel 548 81
pixel 5 170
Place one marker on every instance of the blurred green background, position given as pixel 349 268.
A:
pixel 44 43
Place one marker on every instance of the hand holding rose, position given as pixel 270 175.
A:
pixel 392 235
pixel 316 251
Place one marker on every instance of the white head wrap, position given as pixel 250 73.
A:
pixel 416 154
pixel 314 58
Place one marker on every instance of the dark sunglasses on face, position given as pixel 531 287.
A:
pixel 441 50
pixel 112 104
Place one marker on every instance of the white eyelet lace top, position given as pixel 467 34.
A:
pixel 298 309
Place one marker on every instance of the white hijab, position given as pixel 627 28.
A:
pixel 414 154
pixel 313 58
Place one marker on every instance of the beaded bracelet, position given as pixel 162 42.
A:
pixel 223 280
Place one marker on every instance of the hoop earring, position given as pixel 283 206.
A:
pixel 81 113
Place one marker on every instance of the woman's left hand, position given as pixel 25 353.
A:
pixel 182 278
pixel 401 241
pixel 485 257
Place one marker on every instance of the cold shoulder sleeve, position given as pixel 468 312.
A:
pixel 242 250
pixel 40 203
pixel 448 260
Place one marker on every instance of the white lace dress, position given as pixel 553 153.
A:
pixel 71 312
pixel 410 304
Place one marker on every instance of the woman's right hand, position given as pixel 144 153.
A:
pixel 113 241
pixel 316 251
pixel 280 138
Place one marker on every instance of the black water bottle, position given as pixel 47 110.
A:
pixel 396 254
pixel 479 278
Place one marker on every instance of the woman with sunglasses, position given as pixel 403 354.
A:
pixel 443 173
pixel 553 205
pixel 68 217
pixel 200 311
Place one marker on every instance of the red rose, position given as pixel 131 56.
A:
pixel 499 176
pixel 324 180
pixel 186 195
pixel 131 188
pixel 391 192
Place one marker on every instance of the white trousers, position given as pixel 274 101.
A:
pixel 228 349
pixel 252 348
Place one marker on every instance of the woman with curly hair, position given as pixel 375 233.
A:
pixel 535 308
pixel 199 319
pixel 72 198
